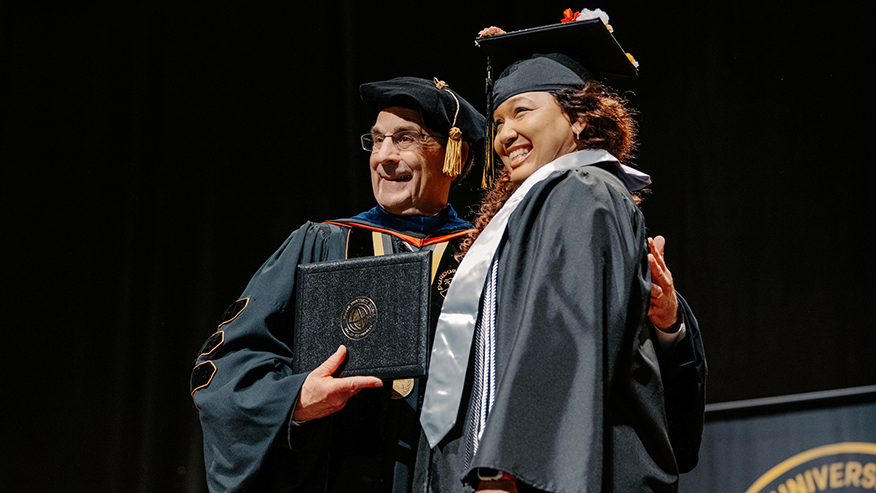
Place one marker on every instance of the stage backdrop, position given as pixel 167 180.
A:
pixel 794 444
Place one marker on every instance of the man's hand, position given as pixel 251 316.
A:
pixel 663 311
pixel 323 394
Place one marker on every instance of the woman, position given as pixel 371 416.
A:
pixel 565 393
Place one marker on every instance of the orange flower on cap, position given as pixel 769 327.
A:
pixel 569 16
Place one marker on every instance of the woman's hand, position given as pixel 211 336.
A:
pixel 663 311
pixel 323 394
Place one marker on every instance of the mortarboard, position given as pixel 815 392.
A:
pixel 547 58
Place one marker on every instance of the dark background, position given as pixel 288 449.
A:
pixel 155 153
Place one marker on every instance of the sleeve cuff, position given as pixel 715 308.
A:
pixel 670 339
pixel 671 336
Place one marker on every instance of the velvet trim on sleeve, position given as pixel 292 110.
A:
pixel 246 408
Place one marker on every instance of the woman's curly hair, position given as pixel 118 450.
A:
pixel 609 121
pixel 609 125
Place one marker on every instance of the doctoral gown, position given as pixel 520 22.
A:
pixel 245 390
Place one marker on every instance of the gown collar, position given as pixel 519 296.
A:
pixel 445 221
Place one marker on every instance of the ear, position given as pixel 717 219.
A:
pixel 578 127
pixel 464 153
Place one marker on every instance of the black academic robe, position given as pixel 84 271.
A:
pixel 579 401
pixel 245 390
pixel 683 371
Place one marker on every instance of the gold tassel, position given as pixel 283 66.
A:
pixel 487 179
pixel 489 159
pixel 453 152
pixel 489 134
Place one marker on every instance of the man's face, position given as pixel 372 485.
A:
pixel 410 181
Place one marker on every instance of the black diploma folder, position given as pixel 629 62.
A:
pixel 378 307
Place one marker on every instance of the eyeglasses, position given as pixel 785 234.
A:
pixel 403 139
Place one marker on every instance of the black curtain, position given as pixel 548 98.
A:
pixel 156 152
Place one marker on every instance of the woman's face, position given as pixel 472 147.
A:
pixel 531 131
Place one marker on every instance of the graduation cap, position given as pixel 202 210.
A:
pixel 548 58
pixel 442 109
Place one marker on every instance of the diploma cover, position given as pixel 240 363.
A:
pixel 378 307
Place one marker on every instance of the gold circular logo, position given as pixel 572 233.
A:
pixel 818 467
pixel 443 283
pixel 359 318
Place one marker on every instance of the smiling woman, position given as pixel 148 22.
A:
pixel 535 128
pixel 561 391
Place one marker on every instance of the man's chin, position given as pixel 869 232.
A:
pixel 395 205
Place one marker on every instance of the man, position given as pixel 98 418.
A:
pixel 268 429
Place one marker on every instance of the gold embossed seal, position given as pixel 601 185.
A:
pixel 443 283
pixel 359 318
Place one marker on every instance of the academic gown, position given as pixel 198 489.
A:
pixel 245 391
pixel 579 403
